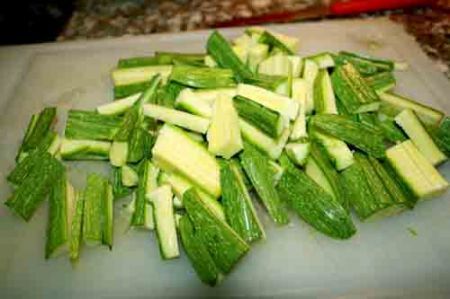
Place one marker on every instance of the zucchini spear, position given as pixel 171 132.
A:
pixel 91 125
pixel 202 77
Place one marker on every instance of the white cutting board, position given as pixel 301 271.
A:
pixel 383 259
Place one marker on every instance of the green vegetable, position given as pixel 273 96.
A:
pixel 237 203
pixel 25 167
pixel 224 136
pixel 221 51
pixel 299 94
pixel 76 227
pixel 202 77
pixel 390 130
pixel 108 214
pixel 35 186
pixel 198 254
pixel 256 54
pixel 313 204
pixel 268 121
pixel 130 176
pixel 298 151
pixel 324 100
pixel 323 60
pixel 119 189
pixel 258 170
pixel 139 145
pixel 271 40
pixel 276 65
pixel 392 104
pixel 205 175
pixel 135 75
pixel 442 136
pixel 165 222
pixel 39 127
pixel 339 153
pixel 91 125
pixel 223 244
pixel 139 217
pixel 310 72
pixel 124 91
pixel 84 149
pixel 119 106
pixel 60 214
pixel 353 91
pixel 364 64
pixel 348 130
pixel 412 126
pixel 381 82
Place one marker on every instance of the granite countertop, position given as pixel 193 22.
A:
pixel 430 26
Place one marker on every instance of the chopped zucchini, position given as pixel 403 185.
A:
pixel 165 222
pixel 167 95
pixel 290 42
pixel 224 136
pixel 364 64
pixel 256 54
pixel 412 126
pixel 91 125
pixel 130 177
pixel 179 118
pixel 276 65
pixel 310 72
pixel 118 153
pixel 298 152
pixel 188 101
pixel 415 170
pixel 258 170
pixel 313 204
pixel 84 149
pixel 205 175
pixel 339 153
pixel 299 93
pixel 135 75
pixel 392 104
pixel 237 203
pixel 286 45
pixel 381 82
pixel 108 216
pixel 222 242
pixel 323 60
pixel 76 227
pixel 324 100
pixel 202 77
pixel 285 106
pixel 353 91
pixel 241 52
pixel 119 190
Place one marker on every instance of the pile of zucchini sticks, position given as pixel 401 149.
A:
pixel 197 139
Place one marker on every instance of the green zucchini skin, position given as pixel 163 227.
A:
pixel 167 95
pixel 223 243
pixel 76 229
pixel 270 82
pixel 35 186
pixel 381 82
pixel 367 192
pixel 93 220
pixel 405 189
pixel 441 135
pixel 256 166
pixel 119 190
pixel 350 131
pixel 202 77
pixel 313 204
pixel 160 58
pixel 39 127
pixel 219 48
pixel 391 131
pixel 320 157
pixel 353 91
pixel 268 121
pixel 25 167
pixel 269 39
pixel 58 218
pixel 198 254
pixel 139 215
pixel 108 216
pixel 91 125
pixel 140 144
pixel 237 203
pixel 364 64
pixel 123 91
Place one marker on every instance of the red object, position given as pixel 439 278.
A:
pixel 361 6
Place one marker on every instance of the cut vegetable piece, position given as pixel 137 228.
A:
pixel 281 104
pixel 276 65
pixel 257 168
pixel 140 74
pixel 60 213
pixel 381 82
pixel 76 227
pixel 348 130
pixel 120 106
pixel 139 145
pixel 291 42
pixel 443 136
pixel 367 191
pixel 298 152
pixel 221 51
pixel 123 91
pixel 272 147
pixel 108 216
pixel 313 170
pixel 84 149
pixel 274 41
pixel 241 52
pixel 256 54
pixel 277 172
pixel 339 153
pixel 415 170
pixel 209 61
pixel 299 91
pixel 167 95
pixel 223 244
pixel 313 204
pixel 412 126
pixel 268 121
pixel 91 125
pixel 296 65
pixel 180 185
pixel 353 91
pixel 364 64
pixel 273 83
pixel 140 215
pixel 390 130
pixel 310 72
pixel 237 203
pixel 26 166
pixel 196 163
pixel 405 189
pixel 119 190
pixel 188 101
pixel 198 254
pixel 323 60
pixel 179 118
pixel 224 136
pixel 130 177
pixel 324 100
pixel 392 104
pixel 138 62
pixel 38 128
pixel 202 77
pixel 94 197
pixel 118 153
pixel 165 222
pixel 172 57
pixel 330 174
pixel 34 188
